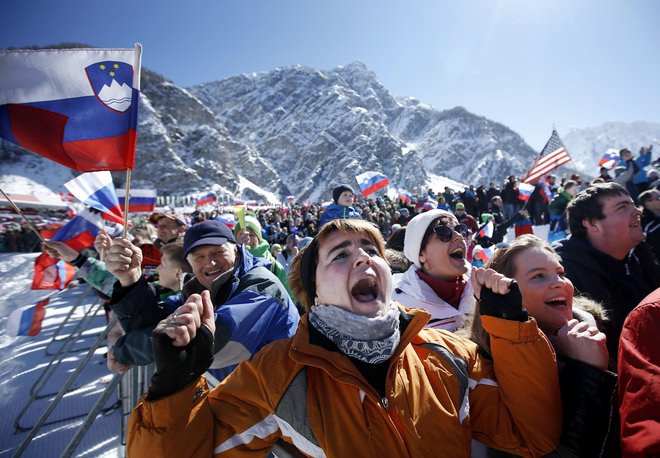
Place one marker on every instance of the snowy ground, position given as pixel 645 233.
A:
pixel 30 377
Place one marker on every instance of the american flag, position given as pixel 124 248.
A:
pixel 554 155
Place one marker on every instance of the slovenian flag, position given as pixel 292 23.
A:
pixel 430 203
pixel 207 198
pixel 227 219
pixel 484 254
pixel 79 233
pixel 370 182
pixel 525 191
pixel 487 230
pixel 325 205
pixel 546 192
pixel 404 196
pixel 609 159
pixel 139 200
pixel 96 190
pixel 77 107
pixel 27 320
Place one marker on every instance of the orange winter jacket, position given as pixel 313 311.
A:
pixel 440 394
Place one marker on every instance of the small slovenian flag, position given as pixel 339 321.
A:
pixel 139 200
pixel 290 198
pixel 609 159
pixel 207 198
pixel 525 191
pixel 484 254
pixel 96 190
pixel 27 320
pixel 227 219
pixel 325 205
pixel 79 233
pixel 430 203
pixel 487 230
pixel 404 196
pixel 370 182
pixel 67 197
pixel 547 192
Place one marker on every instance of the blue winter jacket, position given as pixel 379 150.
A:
pixel 336 211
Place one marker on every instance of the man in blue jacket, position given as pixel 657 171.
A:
pixel 252 307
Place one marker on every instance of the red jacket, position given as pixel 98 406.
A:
pixel 639 379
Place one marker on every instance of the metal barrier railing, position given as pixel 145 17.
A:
pixel 81 327
pixel 130 387
pixel 68 316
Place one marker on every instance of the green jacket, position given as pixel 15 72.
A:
pixel 263 251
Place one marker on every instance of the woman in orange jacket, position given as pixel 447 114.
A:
pixel 361 377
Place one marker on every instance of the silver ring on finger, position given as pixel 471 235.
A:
pixel 171 320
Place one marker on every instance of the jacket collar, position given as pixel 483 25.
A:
pixel 339 366
pixel 409 283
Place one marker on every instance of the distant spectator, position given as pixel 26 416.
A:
pixel 170 226
pixel 464 217
pixel 650 201
pixel 626 171
pixel 510 197
pixel 342 197
pixel 605 175
pixel 643 160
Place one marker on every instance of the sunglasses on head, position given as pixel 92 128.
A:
pixel 446 233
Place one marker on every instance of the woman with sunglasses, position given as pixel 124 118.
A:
pixel 438 279
pixel 362 376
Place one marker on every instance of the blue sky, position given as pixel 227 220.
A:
pixel 529 64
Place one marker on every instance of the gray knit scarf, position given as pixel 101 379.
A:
pixel 371 340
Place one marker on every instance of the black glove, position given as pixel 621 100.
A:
pixel 177 367
pixel 506 306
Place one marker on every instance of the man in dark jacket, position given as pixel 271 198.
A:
pixel 251 306
pixel 606 257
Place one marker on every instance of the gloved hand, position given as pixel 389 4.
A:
pixel 498 295
pixel 183 346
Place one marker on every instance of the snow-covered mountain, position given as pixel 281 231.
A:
pixel 298 131
pixel 586 146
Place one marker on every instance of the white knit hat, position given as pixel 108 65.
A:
pixel 415 231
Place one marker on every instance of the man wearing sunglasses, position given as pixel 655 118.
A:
pixel 437 280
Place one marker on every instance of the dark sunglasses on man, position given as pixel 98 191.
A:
pixel 446 233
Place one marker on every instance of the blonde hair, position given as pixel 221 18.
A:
pixel 302 276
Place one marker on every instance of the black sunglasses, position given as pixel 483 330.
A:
pixel 446 233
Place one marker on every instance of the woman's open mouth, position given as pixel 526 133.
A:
pixel 559 301
pixel 458 253
pixel 365 290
